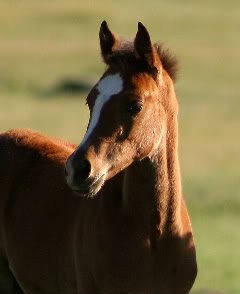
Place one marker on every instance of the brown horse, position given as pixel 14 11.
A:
pixel 129 232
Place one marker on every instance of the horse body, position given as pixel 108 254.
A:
pixel 135 235
pixel 35 210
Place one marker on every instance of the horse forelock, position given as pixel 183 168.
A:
pixel 124 56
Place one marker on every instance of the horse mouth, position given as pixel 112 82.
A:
pixel 90 187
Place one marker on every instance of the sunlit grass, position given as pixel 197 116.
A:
pixel 64 117
pixel 46 41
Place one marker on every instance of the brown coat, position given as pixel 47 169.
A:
pixel 134 235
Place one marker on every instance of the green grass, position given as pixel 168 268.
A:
pixel 44 42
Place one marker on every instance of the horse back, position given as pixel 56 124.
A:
pixel 22 150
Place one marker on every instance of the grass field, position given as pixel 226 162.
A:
pixel 47 42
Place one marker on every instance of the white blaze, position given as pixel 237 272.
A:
pixel 107 87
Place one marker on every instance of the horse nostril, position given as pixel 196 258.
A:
pixel 83 170
pixel 65 171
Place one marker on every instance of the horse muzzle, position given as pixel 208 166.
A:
pixel 90 187
pixel 80 179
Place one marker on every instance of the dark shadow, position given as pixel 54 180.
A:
pixel 66 86
pixel 71 86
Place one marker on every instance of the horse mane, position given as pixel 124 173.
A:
pixel 124 56
pixel 169 61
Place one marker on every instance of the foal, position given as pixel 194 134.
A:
pixel 129 232
pixel 142 232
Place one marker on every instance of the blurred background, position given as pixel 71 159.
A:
pixel 49 58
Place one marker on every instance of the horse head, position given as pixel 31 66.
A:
pixel 128 106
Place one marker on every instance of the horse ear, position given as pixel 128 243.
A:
pixel 143 45
pixel 107 41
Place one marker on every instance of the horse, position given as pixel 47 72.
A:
pixel 107 216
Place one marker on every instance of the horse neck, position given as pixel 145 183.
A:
pixel 152 188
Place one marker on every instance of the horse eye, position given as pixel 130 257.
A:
pixel 135 107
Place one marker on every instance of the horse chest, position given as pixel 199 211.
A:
pixel 120 260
